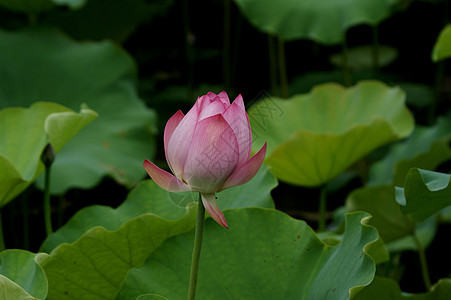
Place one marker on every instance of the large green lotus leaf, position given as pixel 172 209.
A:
pixel 426 148
pixel 362 57
pixel 20 276
pixel 265 255
pixel 442 48
pixel 67 72
pixel 380 202
pixel 386 288
pixel 147 197
pixel 95 265
pixel 378 251
pixel 314 137
pixel 322 21
pixel 424 194
pixel 24 133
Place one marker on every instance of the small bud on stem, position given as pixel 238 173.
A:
pixel 48 155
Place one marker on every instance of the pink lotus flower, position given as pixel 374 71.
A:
pixel 208 150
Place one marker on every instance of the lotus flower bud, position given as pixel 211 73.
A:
pixel 48 155
pixel 208 150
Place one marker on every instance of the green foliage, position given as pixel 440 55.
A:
pixel 323 22
pixel 106 243
pixel 314 137
pixel 346 140
pixel 95 265
pixel 71 73
pixel 442 48
pixel 386 288
pixel 286 257
pixel 20 276
pixel 424 231
pixel 24 133
pixel 147 197
pixel 424 194
pixel 394 228
pixel 363 57
pixel 419 95
pixel 73 4
pixel 380 202
pixel 426 148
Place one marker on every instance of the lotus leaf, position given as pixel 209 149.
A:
pixel 314 137
pixel 442 48
pixel 43 64
pixel 424 194
pixel 426 148
pixel 21 277
pixel 265 255
pixel 322 21
pixel 24 133
pixel 147 197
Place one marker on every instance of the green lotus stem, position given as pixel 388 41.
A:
pixel 273 65
pixel 322 210
pixel 47 209
pixel 2 241
pixel 282 68
pixel 424 265
pixel 345 62
pixel 196 249
pixel 47 158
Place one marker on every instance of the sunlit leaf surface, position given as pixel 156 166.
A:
pixel 314 137
pixel 24 133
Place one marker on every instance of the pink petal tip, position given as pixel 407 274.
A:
pixel 209 201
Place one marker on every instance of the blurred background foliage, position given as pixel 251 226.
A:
pixel 135 62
